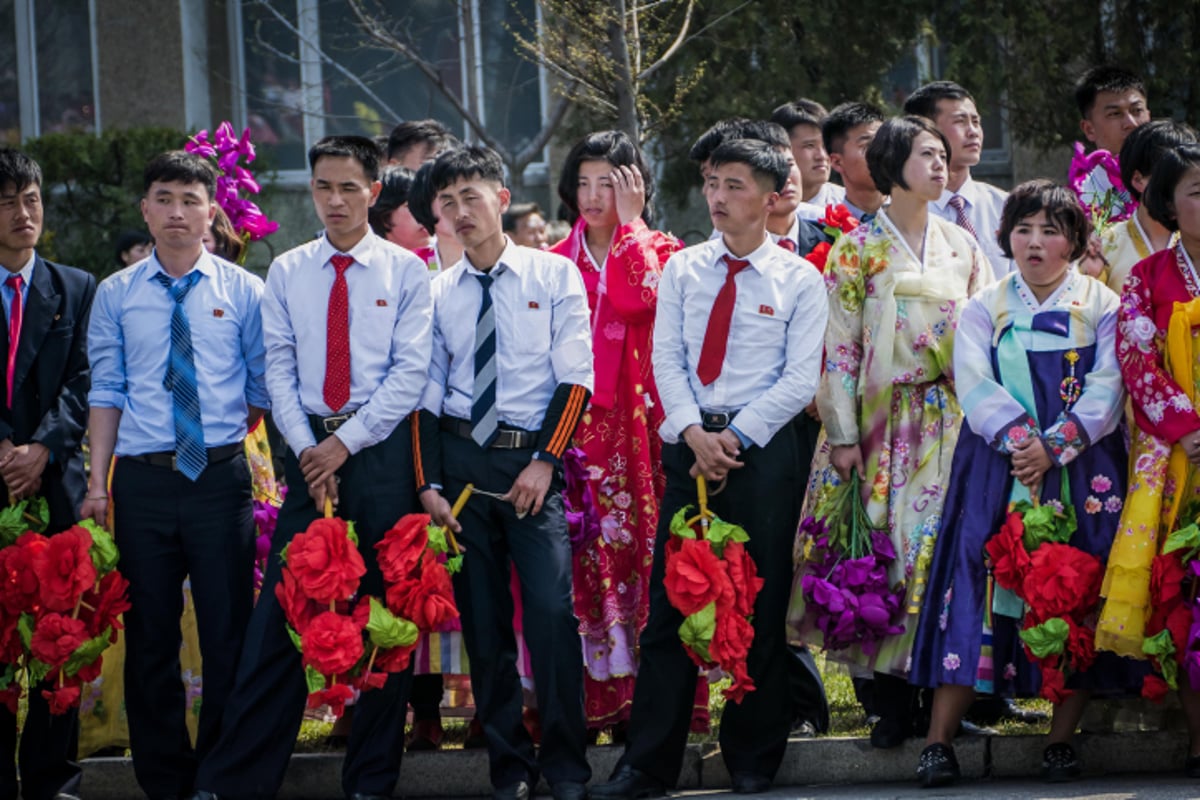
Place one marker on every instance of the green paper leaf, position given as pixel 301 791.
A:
pixel 1044 524
pixel 1048 638
pixel 88 652
pixel 314 679
pixel 387 630
pixel 437 539
pixel 679 526
pixel 25 628
pixel 697 630
pixel 1162 647
pixel 1183 539
pixel 104 548
pixel 720 533
pixel 351 533
pixel 8 676
pixel 295 637
pixel 454 564
pixel 38 670
pixel 14 522
pixel 39 509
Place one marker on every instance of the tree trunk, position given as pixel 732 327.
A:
pixel 625 89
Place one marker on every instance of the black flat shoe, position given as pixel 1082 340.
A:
pixel 1060 764
pixel 938 766
pixel 628 783
pixel 749 783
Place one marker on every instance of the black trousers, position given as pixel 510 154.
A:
pixel 251 758
pixel 762 497
pixel 539 548
pixel 48 742
pixel 169 528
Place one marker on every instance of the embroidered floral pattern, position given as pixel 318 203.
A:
pixel 951 662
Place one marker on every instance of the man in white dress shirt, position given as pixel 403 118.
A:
pixel 802 121
pixel 737 352
pixel 347 329
pixel 973 205
pixel 510 378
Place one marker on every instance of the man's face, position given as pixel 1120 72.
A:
pixel 789 198
pixel 737 203
pixel 531 231
pixel 20 223
pixel 1114 115
pixel 809 151
pixel 472 206
pixel 342 194
pixel 851 162
pixel 178 214
pixel 959 122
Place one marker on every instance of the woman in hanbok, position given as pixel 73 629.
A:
pixel 1149 599
pixel 896 287
pixel 1035 369
pixel 607 190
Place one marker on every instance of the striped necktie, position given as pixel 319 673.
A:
pixel 484 425
pixel 180 381
pixel 960 215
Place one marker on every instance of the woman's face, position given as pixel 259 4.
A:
pixel 1186 202
pixel 595 196
pixel 925 169
pixel 1042 251
pixel 405 230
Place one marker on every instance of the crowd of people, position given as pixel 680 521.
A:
pixel 957 350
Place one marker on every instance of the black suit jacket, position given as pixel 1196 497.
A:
pixel 52 382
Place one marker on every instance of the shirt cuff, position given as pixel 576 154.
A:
pixel 675 424
pixel 753 427
pixel 101 398
pixel 354 435
pixel 743 438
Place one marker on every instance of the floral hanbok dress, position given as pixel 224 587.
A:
pixel 1024 369
pixel 888 388
pixel 614 547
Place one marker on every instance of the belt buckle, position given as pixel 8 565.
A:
pixel 331 424
pixel 716 419
pixel 174 462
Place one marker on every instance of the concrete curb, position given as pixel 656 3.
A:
pixel 459 773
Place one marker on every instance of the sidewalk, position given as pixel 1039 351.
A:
pixel 458 773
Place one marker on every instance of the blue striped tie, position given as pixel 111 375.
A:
pixel 484 426
pixel 180 381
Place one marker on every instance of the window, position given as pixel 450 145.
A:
pixel 307 71
pixel 47 70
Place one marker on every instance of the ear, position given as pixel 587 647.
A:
pixel 376 186
pixel 145 204
pixel 772 201
pixel 505 198
pixel 212 211
pixel 1089 130
pixel 835 163
pixel 1140 181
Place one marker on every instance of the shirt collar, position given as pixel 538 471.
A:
pixel 968 192
pixel 759 259
pixel 793 232
pixel 361 252
pixel 204 265
pixel 26 272
pixel 511 258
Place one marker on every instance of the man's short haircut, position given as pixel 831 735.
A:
pixel 468 161
pixel 1159 197
pixel 180 166
pixel 18 171
pixel 737 128
pixel 360 148
pixel 419 132
pixel 614 147
pixel 517 212
pixel 1062 211
pixel 1146 144
pixel 800 112
pixel 764 159
pixel 1105 78
pixel 837 126
pixel 923 102
pixel 420 199
pixel 395 183
pixel 892 146
pixel 127 240
pixel 381 143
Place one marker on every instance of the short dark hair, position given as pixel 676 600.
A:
pixel 737 128
pixel 427 132
pixel 1159 197
pixel 360 148
pixel 893 145
pixel 467 161
pixel 1105 78
pixel 1062 210
pixel 127 239
pixel 923 102
pixel 180 166
pixel 420 199
pixel 764 159
pixel 18 170
pixel 617 149
pixel 1146 144
pixel 800 112
pixel 395 184
pixel 517 212
pixel 845 117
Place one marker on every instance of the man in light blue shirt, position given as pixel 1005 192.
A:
pixel 178 364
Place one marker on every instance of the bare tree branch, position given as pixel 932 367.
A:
pixel 675 45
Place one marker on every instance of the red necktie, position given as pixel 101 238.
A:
pixel 15 312
pixel 787 244
pixel 716 337
pixel 960 215
pixel 337 337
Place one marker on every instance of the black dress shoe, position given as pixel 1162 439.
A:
pixel 1060 764
pixel 569 790
pixel 514 791
pixel 938 766
pixel 749 783
pixel 628 783
pixel 361 796
pixel 203 795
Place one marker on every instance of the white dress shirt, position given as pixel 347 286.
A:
pixel 543 337
pixel 810 212
pixel 983 205
pixel 773 358
pixel 390 319
pixel 830 195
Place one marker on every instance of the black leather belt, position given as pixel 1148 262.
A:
pixel 506 438
pixel 716 421
pixel 330 424
pixel 167 460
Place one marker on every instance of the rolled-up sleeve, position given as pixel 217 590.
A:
pixel 106 349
